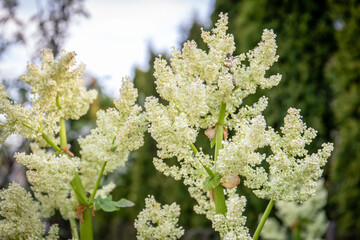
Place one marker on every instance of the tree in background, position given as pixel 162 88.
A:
pixel 51 19
pixel 343 74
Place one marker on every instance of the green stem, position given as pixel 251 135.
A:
pixel 219 196
pixel 297 232
pixel 86 226
pixel 51 143
pixel 218 141
pixel 28 126
pixel 263 219
pixel 222 113
pixel 219 199
pixel 79 190
pixel 44 136
pixel 97 183
pixel 193 148
pixel 63 140
pixel 76 184
pixel 208 170
pixel 74 231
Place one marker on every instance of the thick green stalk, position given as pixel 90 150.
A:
pixel 263 219
pixel 97 183
pixel 219 199
pixel 79 190
pixel 86 226
pixel 219 196
pixel 76 184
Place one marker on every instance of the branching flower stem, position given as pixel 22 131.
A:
pixel 51 143
pixel 97 183
pixel 263 219
pixel 208 170
pixel 76 184
pixel 219 196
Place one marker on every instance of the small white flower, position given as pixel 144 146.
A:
pixel 58 86
pixel 21 216
pixel 119 130
pixel 158 223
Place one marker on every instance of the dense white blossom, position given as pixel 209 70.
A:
pixel 21 216
pixel 195 85
pixel 157 222
pixel 48 173
pixel 31 123
pixel 196 82
pixel 58 86
pixel 293 173
pixel 232 225
pixel 170 129
pixel 119 130
pixel 50 176
pixel 64 201
pixel 57 92
pixel 309 216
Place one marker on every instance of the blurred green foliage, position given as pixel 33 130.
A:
pixel 343 76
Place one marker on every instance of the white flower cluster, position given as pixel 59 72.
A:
pixel 58 86
pixel 308 216
pixel 119 130
pixel 57 92
pixel 50 176
pixel 232 225
pixel 30 123
pixel 195 86
pixel 21 216
pixel 292 172
pixel 158 223
pixel 48 173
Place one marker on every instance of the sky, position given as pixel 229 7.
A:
pixel 116 37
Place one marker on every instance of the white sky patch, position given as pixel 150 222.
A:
pixel 116 37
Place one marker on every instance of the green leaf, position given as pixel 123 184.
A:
pixel 212 182
pixel 108 205
pixel 124 203
pixel 212 142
